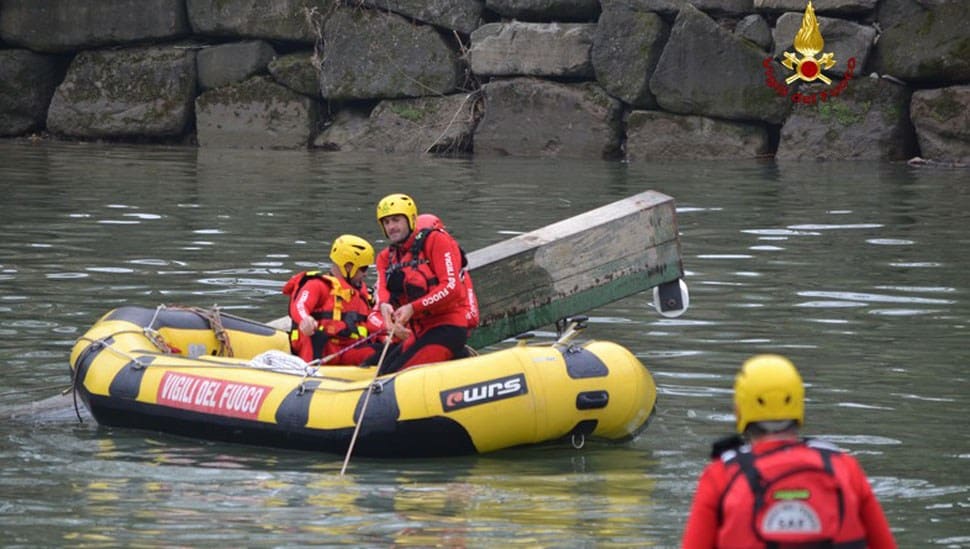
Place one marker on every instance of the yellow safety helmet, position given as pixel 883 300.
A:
pixel 397 204
pixel 348 248
pixel 768 388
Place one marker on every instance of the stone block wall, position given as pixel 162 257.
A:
pixel 615 79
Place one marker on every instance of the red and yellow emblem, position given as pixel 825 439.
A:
pixel 808 42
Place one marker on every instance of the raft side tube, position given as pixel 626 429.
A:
pixel 633 392
pixel 188 333
pixel 525 395
pixel 517 396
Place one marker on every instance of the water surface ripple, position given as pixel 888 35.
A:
pixel 857 271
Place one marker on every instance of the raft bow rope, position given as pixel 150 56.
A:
pixel 211 315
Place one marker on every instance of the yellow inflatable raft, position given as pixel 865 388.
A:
pixel 211 375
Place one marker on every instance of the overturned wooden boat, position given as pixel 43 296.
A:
pixel 168 369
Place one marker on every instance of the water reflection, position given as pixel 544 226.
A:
pixel 473 501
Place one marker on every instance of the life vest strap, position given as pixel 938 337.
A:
pixel 341 295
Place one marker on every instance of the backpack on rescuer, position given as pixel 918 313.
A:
pixel 794 504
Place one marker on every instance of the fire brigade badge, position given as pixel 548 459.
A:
pixel 809 43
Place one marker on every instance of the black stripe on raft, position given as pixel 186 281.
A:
pixel 294 411
pixel 87 356
pixel 127 382
pixel 581 363
pixel 431 437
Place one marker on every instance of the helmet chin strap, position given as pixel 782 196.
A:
pixel 345 272
pixel 348 276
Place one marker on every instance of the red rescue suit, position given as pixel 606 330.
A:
pixel 429 222
pixel 341 313
pixel 726 513
pixel 471 315
pixel 424 271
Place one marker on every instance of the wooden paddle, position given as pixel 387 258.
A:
pixel 363 407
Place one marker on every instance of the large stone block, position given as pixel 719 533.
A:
pixel 656 135
pixel 755 29
pixel 820 6
pixel 626 49
pixel 128 93
pixel 533 49
pixel 289 20
pixel 440 125
pixel 255 114
pixel 297 72
pixel 670 8
pixel 64 25
pixel 346 126
pixel 233 62
pixel 706 70
pixel 463 16
pixel 942 120
pixel 375 55
pixel 546 10
pixel 533 117
pixel 27 83
pixel 869 121
pixel 927 45
pixel 890 13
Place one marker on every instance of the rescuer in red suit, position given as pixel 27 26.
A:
pixel 772 488
pixel 329 310
pixel 420 294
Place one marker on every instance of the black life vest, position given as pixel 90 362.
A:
pixel 399 284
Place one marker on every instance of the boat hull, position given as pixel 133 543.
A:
pixel 167 379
